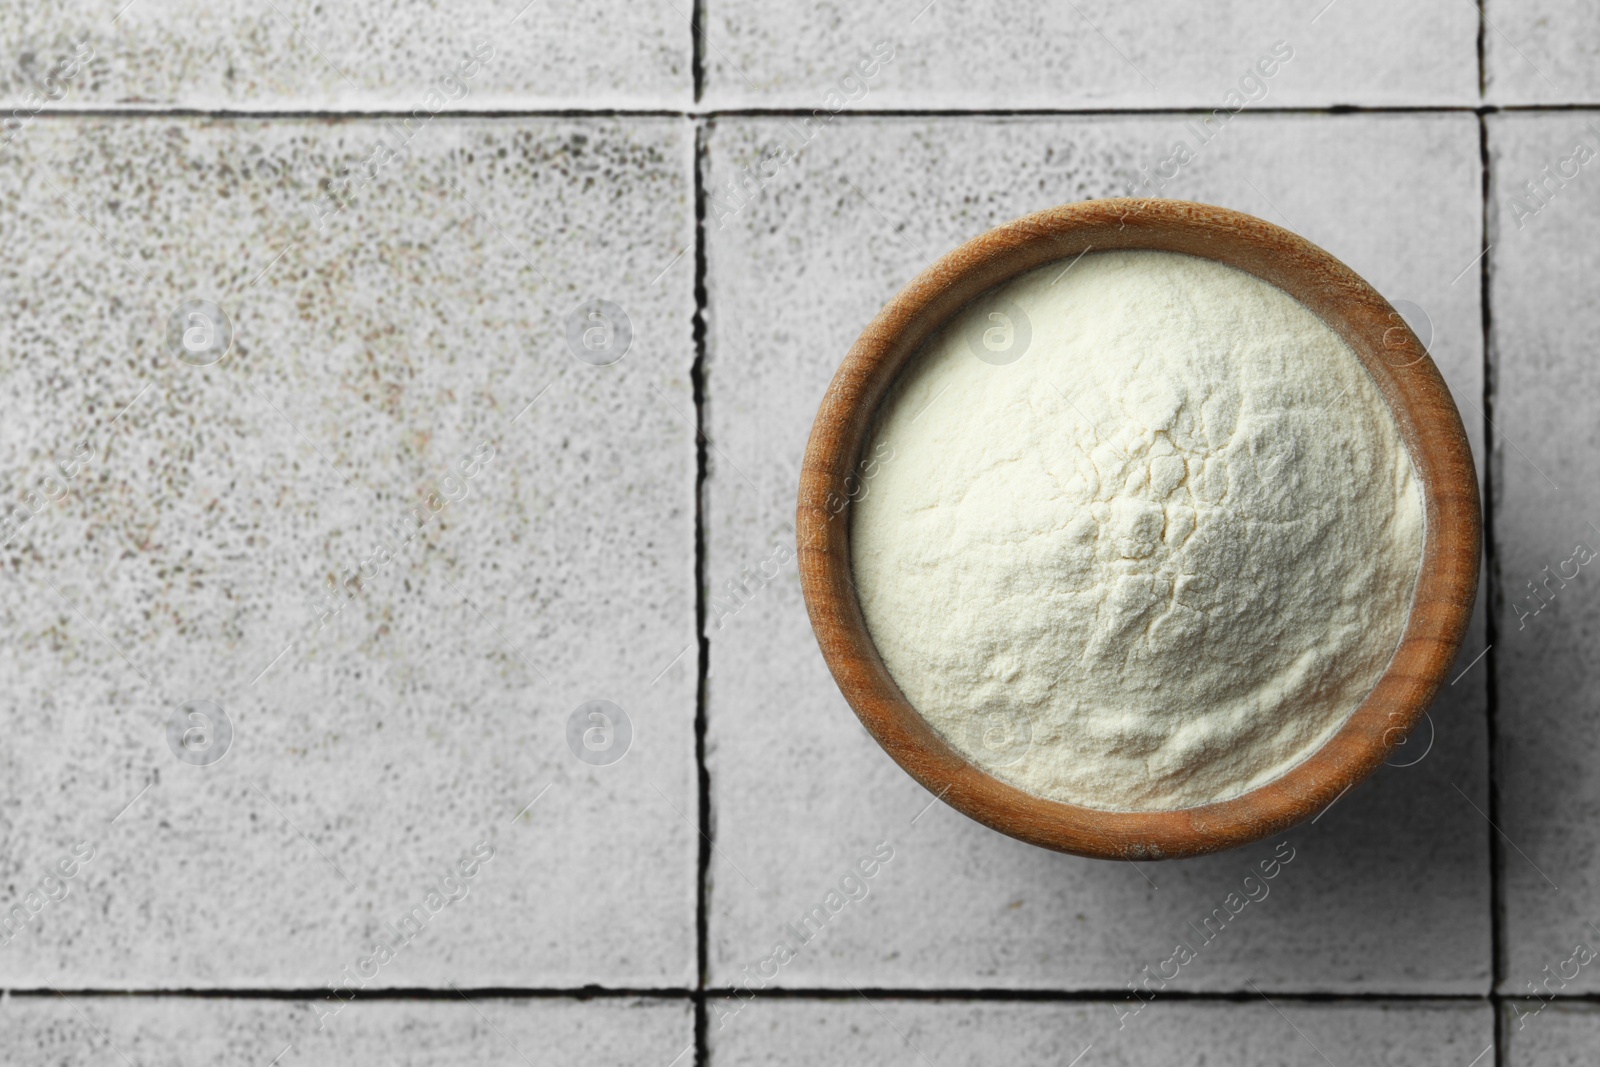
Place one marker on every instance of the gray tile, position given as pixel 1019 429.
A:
pixel 1100 1032
pixel 195 543
pixel 249 1033
pixel 1547 502
pixel 1541 52
pixel 1092 53
pixel 800 791
pixel 1557 1035
pixel 292 54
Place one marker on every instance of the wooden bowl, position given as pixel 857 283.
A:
pixel 1406 377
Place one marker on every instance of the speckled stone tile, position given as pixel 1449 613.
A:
pixel 1547 503
pixel 402 411
pixel 801 794
pixel 1541 52
pixel 188 1032
pixel 298 54
pixel 828 55
pixel 1559 1035
pixel 1280 1034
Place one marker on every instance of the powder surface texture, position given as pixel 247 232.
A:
pixel 1136 536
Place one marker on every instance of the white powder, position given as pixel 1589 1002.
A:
pixel 1157 560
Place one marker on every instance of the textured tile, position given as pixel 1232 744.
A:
pixel 1093 53
pixel 378 352
pixel 1541 52
pixel 801 793
pixel 248 1033
pixel 951 1032
pixel 290 54
pixel 1560 1035
pixel 1547 503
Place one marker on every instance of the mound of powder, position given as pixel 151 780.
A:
pixel 1140 535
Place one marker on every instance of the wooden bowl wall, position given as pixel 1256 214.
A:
pixel 1408 381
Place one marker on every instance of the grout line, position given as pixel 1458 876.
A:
pixel 785 112
pixel 593 992
pixel 697 376
pixel 1497 932
pixel 1483 71
pixel 420 993
pixel 1497 905
pixel 1502 1048
pixel 697 48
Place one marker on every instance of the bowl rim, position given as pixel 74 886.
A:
pixel 1410 383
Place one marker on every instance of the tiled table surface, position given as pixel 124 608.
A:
pixel 406 292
